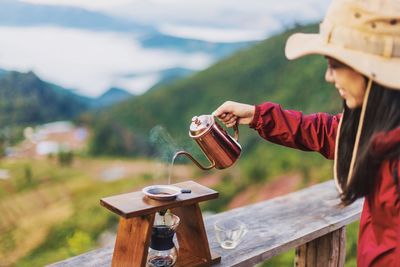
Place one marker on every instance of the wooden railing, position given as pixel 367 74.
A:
pixel 310 220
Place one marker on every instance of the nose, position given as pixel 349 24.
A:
pixel 329 76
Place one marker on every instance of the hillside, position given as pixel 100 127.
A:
pixel 25 100
pixel 111 96
pixel 2 72
pixel 253 75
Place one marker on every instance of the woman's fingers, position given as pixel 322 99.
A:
pixel 225 113
pixel 229 112
pixel 227 117
pixel 224 109
pixel 222 116
pixel 231 122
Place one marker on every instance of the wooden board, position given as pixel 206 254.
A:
pixel 283 223
pixel 274 226
pixel 136 203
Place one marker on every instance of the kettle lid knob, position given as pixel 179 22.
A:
pixel 200 124
pixel 196 121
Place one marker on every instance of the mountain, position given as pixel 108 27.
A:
pixel 2 72
pixel 112 96
pixel 14 13
pixel 217 49
pixel 25 100
pixel 172 74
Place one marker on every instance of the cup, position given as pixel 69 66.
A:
pixel 229 232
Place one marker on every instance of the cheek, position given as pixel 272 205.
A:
pixel 361 86
pixel 351 103
pixel 358 90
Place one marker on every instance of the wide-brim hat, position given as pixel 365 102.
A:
pixel 363 34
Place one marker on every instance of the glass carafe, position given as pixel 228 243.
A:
pixel 162 250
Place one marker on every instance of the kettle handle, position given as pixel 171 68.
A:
pixel 187 154
pixel 236 129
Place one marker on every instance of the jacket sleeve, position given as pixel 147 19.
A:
pixel 314 132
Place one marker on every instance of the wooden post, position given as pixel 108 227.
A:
pixel 192 237
pixel 132 241
pixel 328 250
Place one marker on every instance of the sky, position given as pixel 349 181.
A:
pixel 234 14
pixel 91 62
pixel 96 5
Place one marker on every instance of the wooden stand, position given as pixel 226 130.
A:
pixel 137 217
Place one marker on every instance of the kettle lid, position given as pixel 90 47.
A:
pixel 200 124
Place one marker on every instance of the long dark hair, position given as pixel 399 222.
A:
pixel 382 115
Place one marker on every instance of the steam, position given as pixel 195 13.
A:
pixel 164 145
pixel 165 148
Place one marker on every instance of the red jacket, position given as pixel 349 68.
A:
pixel 379 235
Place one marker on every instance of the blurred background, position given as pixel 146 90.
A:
pixel 96 96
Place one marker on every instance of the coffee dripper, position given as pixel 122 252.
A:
pixel 221 149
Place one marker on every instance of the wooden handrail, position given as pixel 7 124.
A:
pixel 305 220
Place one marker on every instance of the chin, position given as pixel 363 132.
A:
pixel 352 105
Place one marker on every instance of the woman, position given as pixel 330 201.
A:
pixel 361 41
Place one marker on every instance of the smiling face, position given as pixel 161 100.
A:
pixel 349 83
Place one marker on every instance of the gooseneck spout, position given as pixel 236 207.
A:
pixel 187 154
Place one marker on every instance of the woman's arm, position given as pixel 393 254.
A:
pixel 315 132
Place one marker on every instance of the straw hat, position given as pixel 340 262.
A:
pixel 364 34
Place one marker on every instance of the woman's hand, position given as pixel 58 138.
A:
pixel 231 112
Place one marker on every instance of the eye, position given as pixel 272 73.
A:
pixel 335 64
pixel 332 65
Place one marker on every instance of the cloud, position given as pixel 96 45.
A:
pixel 138 84
pixel 89 62
pixel 212 34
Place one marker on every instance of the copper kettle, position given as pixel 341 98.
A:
pixel 221 149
